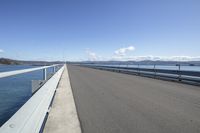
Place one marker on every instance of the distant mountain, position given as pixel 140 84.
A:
pixel 6 61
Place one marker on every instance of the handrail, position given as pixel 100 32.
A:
pixel 16 72
pixel 157 70
pixel 192 77
pixel 30 117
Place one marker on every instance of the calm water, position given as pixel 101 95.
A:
pixel 16 90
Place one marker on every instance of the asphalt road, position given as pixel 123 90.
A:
pixel 109 102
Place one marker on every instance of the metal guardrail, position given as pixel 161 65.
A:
pixel 30 117
pixel 16 72
pixel 179 75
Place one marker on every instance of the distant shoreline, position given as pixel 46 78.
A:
pixel 6 61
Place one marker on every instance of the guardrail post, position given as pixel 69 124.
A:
pixel 154 70
pixel 138 69
pixel 45 74
pixel 179 72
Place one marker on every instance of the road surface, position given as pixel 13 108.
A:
pixel 109 102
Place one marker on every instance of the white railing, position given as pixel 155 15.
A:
pixel 16 72
pixel 30 117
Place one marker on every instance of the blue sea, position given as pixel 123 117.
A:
pixel 16 90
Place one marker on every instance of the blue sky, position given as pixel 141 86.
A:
pixel 99 29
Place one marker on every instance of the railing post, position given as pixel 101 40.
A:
pixel 154 70
pixel 127 65
pixel 45 74
pixel 179 72
pixel 138 69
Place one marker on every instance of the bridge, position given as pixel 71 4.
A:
pixel 83 99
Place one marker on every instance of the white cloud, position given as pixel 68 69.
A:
pixel 123 51
pixel 121 55
pixel 92 56
pixel 157 58
pixel 1 50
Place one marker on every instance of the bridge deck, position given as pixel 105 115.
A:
pixel 109 102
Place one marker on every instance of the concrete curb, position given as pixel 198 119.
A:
pixel 63 116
